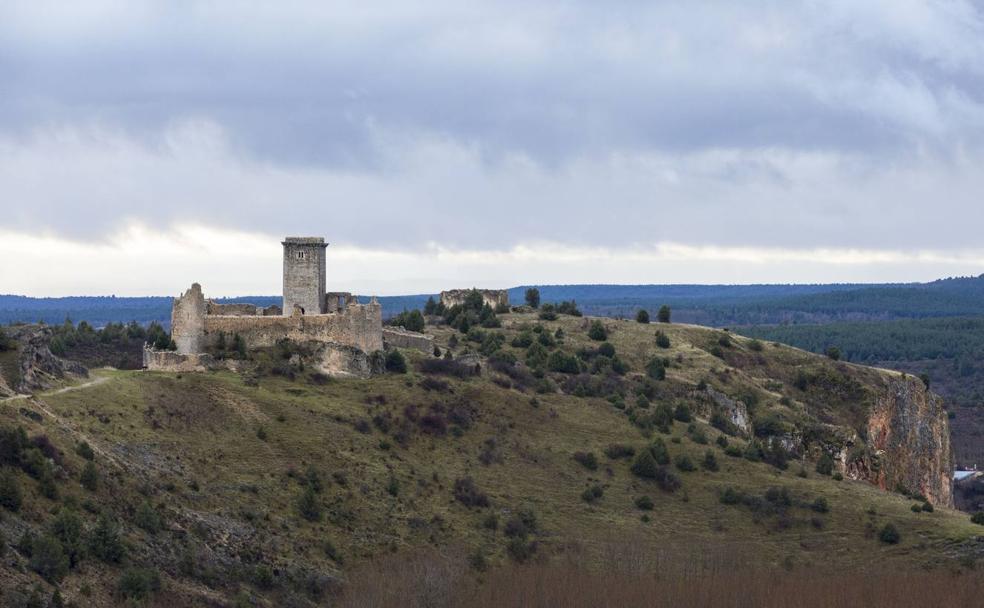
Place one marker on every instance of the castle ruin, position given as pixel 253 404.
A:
pixel 497 299
pixel 345 331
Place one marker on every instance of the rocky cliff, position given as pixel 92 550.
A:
pixel 909 442
pixel 38 367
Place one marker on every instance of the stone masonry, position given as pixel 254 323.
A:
pixel 309 314
pixel 498 299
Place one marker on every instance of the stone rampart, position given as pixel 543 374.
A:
pixel 231 310
pixel 357 325
pixel 171 361
pixel 399 337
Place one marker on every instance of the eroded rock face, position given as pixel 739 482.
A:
pixel 735 410
pixel 39 368
pixel 909 442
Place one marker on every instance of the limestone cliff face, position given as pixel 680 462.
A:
pixel 909 442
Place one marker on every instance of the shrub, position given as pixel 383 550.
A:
pixel 916 508
pixel 104 542
pixel 10 491
pixel 520 549
pixel 820 505
pixel 90 477
pixel 730 496
pixel 395 362
pixel 889 534
pixel 587 460
pixel 48 559
pixel 533 297
pixel 137 584
pixel 659 452
pixel 710 462
pixel 767 424
pixel 597 331
pixel 662 340
pixel 644 503
pixel 682 413
pixel 521 524
pixel 645 465
pixel 978 518
pixel 84 450
pixel 723 424
pixel 67 528
pixel 755 345
pixel 684 463
pixel 308 504
pixel 468 494
pixel 563 363
pixel 642 316
pixel 838 477
pixel 825 465
pixel 616 451
pixel 411 320
pixel 666 480
pixel 147 518
pixel 927 507
pixel 592 494
pixel 833 353
pixel 663 316
pixel 656 369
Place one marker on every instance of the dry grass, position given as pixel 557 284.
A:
pixel 651 580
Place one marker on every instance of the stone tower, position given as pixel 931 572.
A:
pixel 304 274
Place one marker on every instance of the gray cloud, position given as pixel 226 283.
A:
pixel 777 124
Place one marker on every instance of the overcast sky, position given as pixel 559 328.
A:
pixel 147 145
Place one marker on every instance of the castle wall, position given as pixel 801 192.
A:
pixel 401 338
pixel 237 310
pixel 170 361
pixel 496 298
pixel 188 320
pixel 357 325
pixel 304 275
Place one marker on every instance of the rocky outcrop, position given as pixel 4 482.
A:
pixel 40 369
pixel 734 410
pixel 908 442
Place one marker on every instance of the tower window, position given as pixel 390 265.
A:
pixel 300 255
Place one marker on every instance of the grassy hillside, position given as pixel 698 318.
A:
pixel 278 486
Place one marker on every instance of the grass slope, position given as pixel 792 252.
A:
pixel 224 463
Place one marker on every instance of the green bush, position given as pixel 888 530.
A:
pixel 597 331
pixel 563 363
pixel 395 362
pixel 587 460
pixel 411 320
pixel 656 369
pixel 592 494
pixel 10 491
pixel 664 314
pixel 833 353
pixel 682 413
pixel 642 316
pixel 84 450
pixel 533 297
pixel 820 505
pixel 927 507
pixel 662 340
pixel 90 477
pixel 730 496
pixel 825 465
pixel 308 504
pixel 66 526
pixel 710 462
pixel 889 534
pixel 644 503
pixel 147 518
pixel 978 518
pixel 684 463
pixel 104 541
pixel 138 584
pixel 756 346
pixel 616 451
pixel 48 559
pixel 838 477
pixel 644 465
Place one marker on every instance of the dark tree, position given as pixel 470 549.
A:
pixel 664 314
pixel 642 316
pixel 533 297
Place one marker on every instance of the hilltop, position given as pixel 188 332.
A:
pixel 569 439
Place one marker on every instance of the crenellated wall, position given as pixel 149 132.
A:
pixel 403 338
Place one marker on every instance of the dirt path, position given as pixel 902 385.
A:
pixel 58 391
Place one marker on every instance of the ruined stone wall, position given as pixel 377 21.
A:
pixel 357 325
pixel 338 300
pixel 401 338
pixel 188 320
pixel 496 298
pixel 231 310
pixel 171 361
pixel 304 274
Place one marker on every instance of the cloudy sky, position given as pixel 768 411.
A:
pixel 144 145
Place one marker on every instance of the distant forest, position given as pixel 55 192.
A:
pixel 713 305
